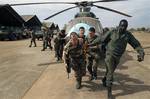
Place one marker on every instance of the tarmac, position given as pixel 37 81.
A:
pixel 28 73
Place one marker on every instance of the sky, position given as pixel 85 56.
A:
pixel 139 9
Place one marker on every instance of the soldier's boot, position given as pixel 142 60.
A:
pixel 43 49
pixel 58 59
pixel 91 73
pixel 30 45
pixel 84 73
pixel 78 83
pixel 35 45
pixel 51 48
pixel 91 77
pixel 94 75
pixel 104 81
pixel 109 94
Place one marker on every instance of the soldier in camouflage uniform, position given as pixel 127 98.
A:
pixel 82 35
pixel 45 37
pixel 116 42
pixel 74 54
pixel 33 37
pixel 59 44
pixel 93 54
pixel 50 34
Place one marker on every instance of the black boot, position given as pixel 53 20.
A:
pixel 94 75
pixel 58 59
pixel 43 49
pixel 110 96
pixel 91 73
pixel 91 77
pixel 78 83
pixel 104 81
pixel 51 48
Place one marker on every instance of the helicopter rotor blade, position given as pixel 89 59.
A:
pixel 107 1
pixel 76 3
pixel 20 4
pixel 112 10
pixel 60 12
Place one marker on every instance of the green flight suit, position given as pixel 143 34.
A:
pixel 116 44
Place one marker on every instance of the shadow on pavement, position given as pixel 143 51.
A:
pixel 122 82
pixel 51 63
pixel 129 85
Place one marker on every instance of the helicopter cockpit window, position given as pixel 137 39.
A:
pixel 77 26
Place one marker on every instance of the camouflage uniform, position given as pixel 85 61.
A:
pixel 75 56
pixel 93 56
pixel 33 38
pixel 59 45
pixel 84 51
pixel 45 39
pixel 115 46
pixel 50 33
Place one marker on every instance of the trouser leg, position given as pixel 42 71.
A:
pixel 111 63
pixel 109 76
pixel 30 43
pixel 57 54
pixel 95 65
pixel 44 45
pixel 104 78
pixel 34 43
pixel 50 45
pixel 61 51
pixel 109 93
pixel 78 76
pixel 84 68
pixel 55 49
pixel 89 67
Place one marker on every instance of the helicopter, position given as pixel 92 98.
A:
pixel 84 17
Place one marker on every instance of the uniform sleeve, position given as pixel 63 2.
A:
pixel 106 38
pixel 55 40
pixel 135 43
pixel 66 52
pixel 96 42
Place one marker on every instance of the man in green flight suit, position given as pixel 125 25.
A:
pixel 116 43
